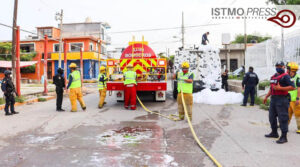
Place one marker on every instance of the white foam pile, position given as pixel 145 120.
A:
pixel 219 97
pixel 204 63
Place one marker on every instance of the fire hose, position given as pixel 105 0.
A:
pixel 171 117
pixel 195 136
pixel 175 118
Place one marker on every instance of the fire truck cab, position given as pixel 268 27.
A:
pixel 151 71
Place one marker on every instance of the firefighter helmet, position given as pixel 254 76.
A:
pixel 129 66
pixel 73 65
pixel 293 66
pixel 102 68
pixel 185 65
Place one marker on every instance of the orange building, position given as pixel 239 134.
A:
pixel 86 38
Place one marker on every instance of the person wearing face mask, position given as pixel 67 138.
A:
pixel 185 85
pixel 294 108
pixel 9 90
pixel 59 82
pixel 280 85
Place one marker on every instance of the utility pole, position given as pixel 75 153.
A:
pixel 13 49
pixel 59 17
pixel 245 40
pixel 182 30
pixel 282 44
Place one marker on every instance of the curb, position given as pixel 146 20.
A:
pixel 26 102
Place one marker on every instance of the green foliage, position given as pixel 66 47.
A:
pixel 259 101
pixel 5 48
pixel 27 56
pixel 240 38
pixel 235 77
pixel 2 101
pixel 20 99
pixel 29 69
pixel 42 99
pixel 23 56
pixel 264 107
pixel 263 85
pixel 283 2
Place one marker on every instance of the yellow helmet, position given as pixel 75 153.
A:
pixel 130 66
pixel 102 68
pixel 73 65
pixel 185 65
pixel 293 66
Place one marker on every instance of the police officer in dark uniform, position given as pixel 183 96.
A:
pixel 280 84
pixel 249 83
pixel 9 90
pixel 59 82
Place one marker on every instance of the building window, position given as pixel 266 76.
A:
pixel 91 47
pixel 43 32
pixel 56 48
pixel 27 47
pixel 75 47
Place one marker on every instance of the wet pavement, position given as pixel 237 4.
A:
pixel 116 137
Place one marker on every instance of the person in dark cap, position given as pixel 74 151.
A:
pixel 280 85
pixel 9 90
pixel 249 83
pixel 59 82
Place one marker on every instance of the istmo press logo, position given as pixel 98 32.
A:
pixel 282 15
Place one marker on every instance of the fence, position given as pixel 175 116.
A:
pixel 263 56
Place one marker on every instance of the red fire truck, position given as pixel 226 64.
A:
pixel 151 71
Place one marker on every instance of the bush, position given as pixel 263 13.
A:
pixel 240 77
pixel 2 101
pixel 29 69
pixel 263 85
pixel 42 99
pixel 20 99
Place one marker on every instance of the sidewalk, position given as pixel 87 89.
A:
pixel 30 89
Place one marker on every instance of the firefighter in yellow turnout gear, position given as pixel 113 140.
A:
pixel 102 79
pixel 294 94
pixel 185 85
pixel 75 88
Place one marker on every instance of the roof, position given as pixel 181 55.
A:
pixel 47 27
pixel 55 39
pixel 103 23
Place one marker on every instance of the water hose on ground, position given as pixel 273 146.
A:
pixel 195 136
pixel 171 117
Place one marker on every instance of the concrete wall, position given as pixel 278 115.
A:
pixel 234 54
pixel 235 86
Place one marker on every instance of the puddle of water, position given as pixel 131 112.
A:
pixel 126 135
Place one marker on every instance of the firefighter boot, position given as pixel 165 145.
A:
pixel 282 139
pixel 273 134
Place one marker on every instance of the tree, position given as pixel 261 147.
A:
pixel 5 48
pixel 284 2
pixel 250 39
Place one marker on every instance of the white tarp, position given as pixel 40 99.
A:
pixel 7 64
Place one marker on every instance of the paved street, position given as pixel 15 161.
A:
pixel 113 136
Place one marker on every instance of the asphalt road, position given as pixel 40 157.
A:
pixel 40 136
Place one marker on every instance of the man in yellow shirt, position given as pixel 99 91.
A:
pixel 102 79
pixel 75 88
pixel 185 85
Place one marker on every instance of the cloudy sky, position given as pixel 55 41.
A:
pixel 125 15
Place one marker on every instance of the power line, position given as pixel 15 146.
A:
pixel 161 29
pixel 41 36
